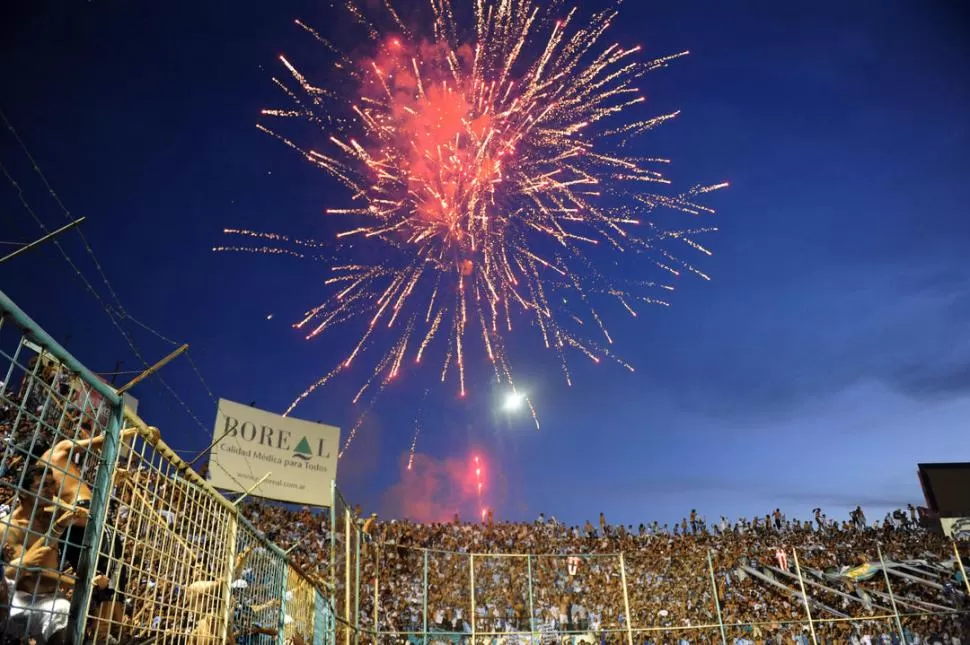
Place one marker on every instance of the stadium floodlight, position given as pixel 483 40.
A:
pixel 513 401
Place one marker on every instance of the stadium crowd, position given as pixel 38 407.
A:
pixel 164 562
pixel 671 573
pixel 678 583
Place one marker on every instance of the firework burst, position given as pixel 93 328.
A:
pixel 482 173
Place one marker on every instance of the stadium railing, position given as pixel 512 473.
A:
pixel 391 593
pixel 108 536
pixel 346 544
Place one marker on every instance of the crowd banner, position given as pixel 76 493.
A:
pixel 267 455
pixel 957 528
pixel 114 538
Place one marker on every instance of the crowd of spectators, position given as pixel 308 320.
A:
pixel 681 581
pixel 759 578
pixel 163 565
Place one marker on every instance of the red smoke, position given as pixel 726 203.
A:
pixel 434 490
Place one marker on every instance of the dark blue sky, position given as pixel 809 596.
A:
pixel 828 355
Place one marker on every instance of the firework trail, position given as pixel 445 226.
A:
pixel 483 511
pixel 418 420
pixel 486 170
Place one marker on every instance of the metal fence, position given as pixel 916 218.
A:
pixel 107 536
pixel 346 546
pixel 902 588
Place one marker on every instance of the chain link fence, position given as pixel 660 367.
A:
pixel 107 536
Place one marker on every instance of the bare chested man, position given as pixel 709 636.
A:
pixel 53 486
pixel 38 587
pixel 29 536
pixel 59 460
pixel 53 498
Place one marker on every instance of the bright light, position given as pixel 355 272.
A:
pixel 513 401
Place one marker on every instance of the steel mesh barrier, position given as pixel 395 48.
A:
pixel 886 585
pixel 299 609
pixel 166 550
pixel 58 430
pixel 501 595
pixel 345 549
pixel 258 589
pixel 107 536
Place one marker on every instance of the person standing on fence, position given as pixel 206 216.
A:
pixel 370 525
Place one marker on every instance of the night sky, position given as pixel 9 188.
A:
pixel 829 354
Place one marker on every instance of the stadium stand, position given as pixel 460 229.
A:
pixel 863 582
pixel 107 536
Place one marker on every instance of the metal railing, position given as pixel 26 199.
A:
pixel 106 535
pixel 910 588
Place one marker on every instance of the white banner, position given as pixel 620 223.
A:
pixel 957 528
pixel 284 458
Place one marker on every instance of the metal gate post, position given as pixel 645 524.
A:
pixel 626 602
pixel 377 582
pixel 358 534
pixel 808 608
pixel 717 601
pixel 424 600
pixel 348 520
pixel 471 568
pixel 532 611
pixel 892 598
pixel 94 529
pixel 963 572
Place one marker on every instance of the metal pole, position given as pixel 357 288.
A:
pixel 808 608
pixel 963 571
pixel 114 377
pixel 154 368
pixel 249 491
pixel 226 626
pixel 357 540
pixel 94 528
pixel 333 547
pixel 717 601
pixel 532 611
pixel 626 602
pixel 377 581
pixel 33 245
pixel 424 601
pixel 471 568
pixel 892 598
pixel 348 519
pixel 283 579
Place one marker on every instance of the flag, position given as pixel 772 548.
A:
pixel 782 558
pixel 863 572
